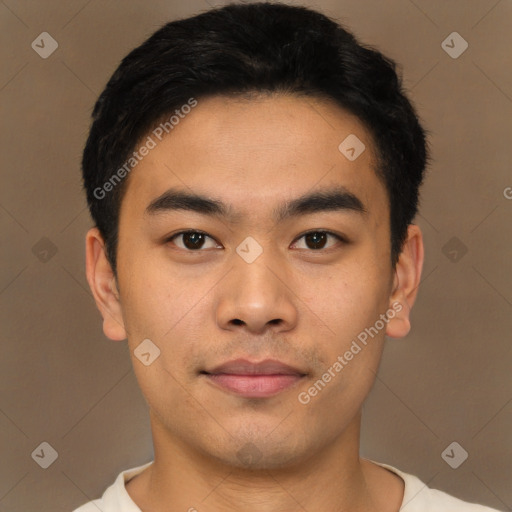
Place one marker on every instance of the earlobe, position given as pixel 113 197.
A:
pixel 406 281
pixel 103 285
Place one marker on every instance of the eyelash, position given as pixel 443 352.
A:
pixel 316 231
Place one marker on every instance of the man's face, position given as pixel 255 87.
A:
pixel 302 301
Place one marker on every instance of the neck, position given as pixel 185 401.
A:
pixel 332 477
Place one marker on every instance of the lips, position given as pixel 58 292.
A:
pixel 245 367
pixel 254 380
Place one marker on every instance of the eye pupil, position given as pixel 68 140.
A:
pixel 196 240
pixel 317 238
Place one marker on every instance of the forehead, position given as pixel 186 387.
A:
pixel 253 151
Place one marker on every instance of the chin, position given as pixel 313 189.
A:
pixel 259 452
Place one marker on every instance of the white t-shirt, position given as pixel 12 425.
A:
pixel 417 496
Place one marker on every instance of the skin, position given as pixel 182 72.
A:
pixel 294 303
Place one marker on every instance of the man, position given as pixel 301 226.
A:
pixel 253 176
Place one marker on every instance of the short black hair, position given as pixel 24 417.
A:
pixel 243 49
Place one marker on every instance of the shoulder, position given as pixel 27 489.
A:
pixel 432 499
pixel 418 497
pixel 115 498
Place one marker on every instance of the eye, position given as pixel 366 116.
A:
pixel 191 240
pixel 195 240
pixel 316 240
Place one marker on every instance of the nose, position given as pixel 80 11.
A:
pixel 257 296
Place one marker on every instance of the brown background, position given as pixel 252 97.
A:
pixel 63 382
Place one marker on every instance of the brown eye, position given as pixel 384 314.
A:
pixel 191 240
pixel 317 240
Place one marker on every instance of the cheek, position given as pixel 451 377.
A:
pixel 153 299
pixel 350 348
pixel 346 299
pixel 170 308
pixel 165 311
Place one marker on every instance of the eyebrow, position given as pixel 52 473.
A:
pixel 331 199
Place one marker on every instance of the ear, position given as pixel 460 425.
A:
pixel 405 284
pixel 103 285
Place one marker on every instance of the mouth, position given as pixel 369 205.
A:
pixel 254 380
